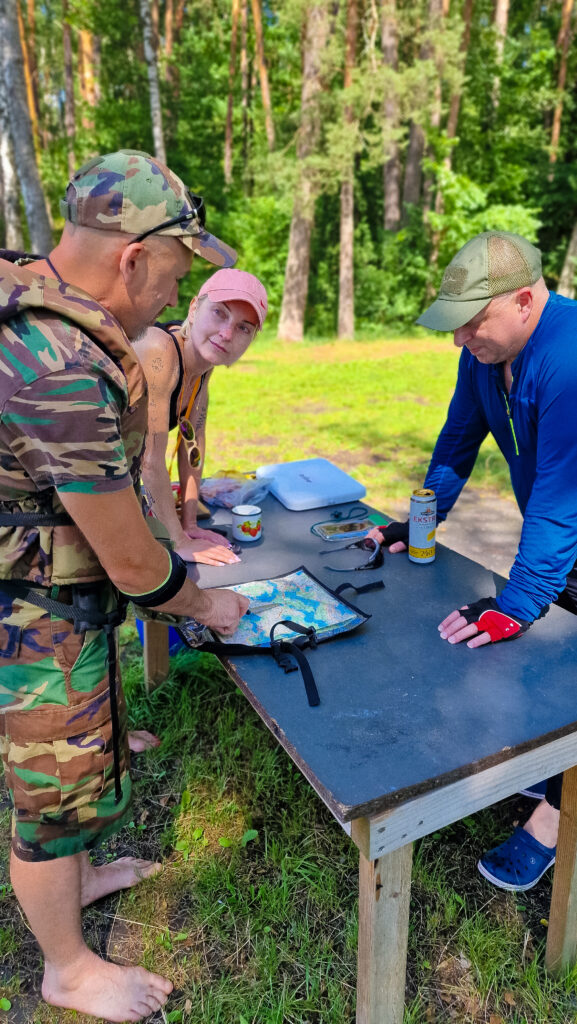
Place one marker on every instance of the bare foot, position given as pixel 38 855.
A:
pixel 94 986
pixel 141 739
pixel 544 824
pixel 123 873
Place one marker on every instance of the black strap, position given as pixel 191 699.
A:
pixel 284 647
pixel 281 650
pixel 375 585
pixel 35 519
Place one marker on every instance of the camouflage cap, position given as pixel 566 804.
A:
pixel 133 192
pixel 492 263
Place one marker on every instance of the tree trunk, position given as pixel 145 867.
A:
pixel 455 105
pixel 296 283
pixel 392 166
pixel 263 73
pixel 86 77
pixel 69 112
pixel 21 130
pixel 563 41
pixel 346 314
pixel 33 64
pixel 168 37
pixel 155 18
pixel 244 80
pixel 412 180
pixel 435 20
pixel 230 104
pixel 501 24
pixel 413 166
pixel 567 280
pixel 12 237
pixel 153 85
pixel 30 98
pixel 178 18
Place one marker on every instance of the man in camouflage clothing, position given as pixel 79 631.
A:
pixel 73 410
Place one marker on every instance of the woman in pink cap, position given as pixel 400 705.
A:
pixel 178 360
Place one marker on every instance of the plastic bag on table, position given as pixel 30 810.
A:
pixel 231 488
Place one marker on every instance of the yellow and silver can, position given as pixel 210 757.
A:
pixel 422 526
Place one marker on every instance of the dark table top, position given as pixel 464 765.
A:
pixel 401 711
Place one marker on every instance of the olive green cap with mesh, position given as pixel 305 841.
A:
pixel 492 263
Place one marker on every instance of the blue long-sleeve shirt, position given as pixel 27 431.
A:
pixel 535 427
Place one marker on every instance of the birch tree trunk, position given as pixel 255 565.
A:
pixel 148 36
pixel 563 41
pixel 69 111
pixel 12 69
pixel 346 314
pixel 567 280
pixel 12 225
pixel 392 166
pixel 291 323
pixel 230 105
pixel 263 73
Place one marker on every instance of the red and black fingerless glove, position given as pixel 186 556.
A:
pixel 393 532
pixel 486 615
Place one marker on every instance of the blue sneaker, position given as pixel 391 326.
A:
pixel 536 792
pixel 518 863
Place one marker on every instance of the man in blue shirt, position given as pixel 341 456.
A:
pixel 517 380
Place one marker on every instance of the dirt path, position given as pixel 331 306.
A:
pixel 483 527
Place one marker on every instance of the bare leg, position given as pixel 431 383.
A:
pixel 49 892
pixel 96 882
pixel 543 824
pixel 141 739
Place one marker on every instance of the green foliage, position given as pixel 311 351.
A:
pixel 501 175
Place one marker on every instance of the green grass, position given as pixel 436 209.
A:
pixel 254 917
pixel 373 407
pixel 265 930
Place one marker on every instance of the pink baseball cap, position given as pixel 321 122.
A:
pixel 227 285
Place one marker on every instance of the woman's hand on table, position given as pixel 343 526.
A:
pixel 210 549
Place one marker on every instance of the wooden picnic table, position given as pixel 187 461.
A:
pixel 411 733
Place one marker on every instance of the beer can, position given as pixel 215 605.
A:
pixel 422 526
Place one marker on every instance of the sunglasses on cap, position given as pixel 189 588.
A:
pixel 191 444
pixel 196 213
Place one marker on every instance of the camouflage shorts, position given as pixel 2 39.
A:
pixel 56 734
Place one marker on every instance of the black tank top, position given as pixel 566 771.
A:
pixel 173 414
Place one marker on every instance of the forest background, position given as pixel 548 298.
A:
pixel 345 149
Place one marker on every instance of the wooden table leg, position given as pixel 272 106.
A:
pixel 384 896
pixel 562 934
pixel 156 659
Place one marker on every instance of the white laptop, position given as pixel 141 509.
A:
pixel 310 483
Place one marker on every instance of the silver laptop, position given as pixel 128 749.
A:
pixel 310 483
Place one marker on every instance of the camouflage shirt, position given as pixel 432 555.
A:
pixel 73 410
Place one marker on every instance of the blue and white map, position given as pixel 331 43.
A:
pixel 296 596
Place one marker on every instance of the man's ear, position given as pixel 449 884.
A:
pixel 133 264
pixel 524 301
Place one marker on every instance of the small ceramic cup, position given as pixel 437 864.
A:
pixel 246 522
